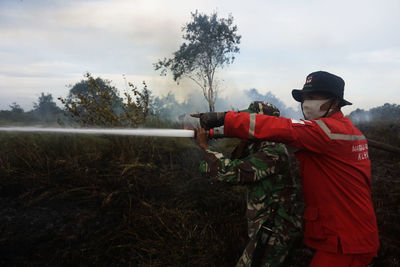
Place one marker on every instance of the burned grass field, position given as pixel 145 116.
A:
pixel 94 201
pixel 69 200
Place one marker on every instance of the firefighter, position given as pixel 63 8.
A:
pixel 273 217
pixel 340 222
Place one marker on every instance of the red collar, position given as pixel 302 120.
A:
pixel 336 115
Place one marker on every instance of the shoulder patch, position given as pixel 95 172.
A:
pixel 301 122
pixel 297 121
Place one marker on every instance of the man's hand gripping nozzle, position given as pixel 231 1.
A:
pixel 210 121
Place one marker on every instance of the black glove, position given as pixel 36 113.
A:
pixel 210 120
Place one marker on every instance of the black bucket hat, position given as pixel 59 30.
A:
pixel 322 82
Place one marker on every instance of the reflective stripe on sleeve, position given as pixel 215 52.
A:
pixel 252 125
pixel 297 121
pixel 334 136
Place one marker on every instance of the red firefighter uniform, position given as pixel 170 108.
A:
pixel 336 177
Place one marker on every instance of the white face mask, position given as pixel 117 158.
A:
pixel 312 108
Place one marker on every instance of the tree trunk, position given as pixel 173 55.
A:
pixel 211 105
pixel 383 146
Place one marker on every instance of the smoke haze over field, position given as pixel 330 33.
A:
pixel 195 103
pixel 49 44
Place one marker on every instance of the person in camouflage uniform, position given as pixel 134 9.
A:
pixel 271 190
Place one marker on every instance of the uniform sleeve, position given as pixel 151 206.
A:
pixel 220 167
pixel 302 134
pixel 254 167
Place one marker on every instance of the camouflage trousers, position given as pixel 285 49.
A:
pixel 276 254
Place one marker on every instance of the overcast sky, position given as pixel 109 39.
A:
pixel 46 45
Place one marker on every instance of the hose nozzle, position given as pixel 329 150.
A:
pixel 216 133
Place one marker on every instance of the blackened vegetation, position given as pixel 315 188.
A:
pixel 91 201
pixel 69 200
pixel 386 198
pixel 385 128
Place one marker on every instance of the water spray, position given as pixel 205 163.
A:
pixel 105 131
pixel 213 133
pixel 186 133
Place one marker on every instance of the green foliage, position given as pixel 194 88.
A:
pixel 94 102
pixel 388 113
pixel 16 108
pixel 15 116
pixel 45 109
pixel 94 88
pixel 210 43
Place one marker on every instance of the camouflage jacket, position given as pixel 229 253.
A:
pixel 264 168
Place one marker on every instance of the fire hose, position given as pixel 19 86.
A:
pixel 188 133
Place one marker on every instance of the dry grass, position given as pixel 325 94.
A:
pixel 96 201
pixel 113 201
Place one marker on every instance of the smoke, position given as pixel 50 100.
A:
pixel 387 113
pixel 360 116
pixel 269 97
pixel 168 106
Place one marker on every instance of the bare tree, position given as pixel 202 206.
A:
pixel 210 43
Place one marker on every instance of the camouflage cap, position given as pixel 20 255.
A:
pixel 263 108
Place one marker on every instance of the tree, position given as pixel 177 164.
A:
pixel 95 89
pixel 15 115
pixel 45 108
pixel 94 102
pixel 379 123
pixel 16 108
pixel 388 113
pixel 45 105
pixel 210 44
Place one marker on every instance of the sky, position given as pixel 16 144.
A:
pixel 47 45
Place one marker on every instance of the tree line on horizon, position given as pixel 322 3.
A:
pixel 96 102
pixel 97 95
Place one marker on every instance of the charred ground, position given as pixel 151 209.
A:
pixel 99 201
